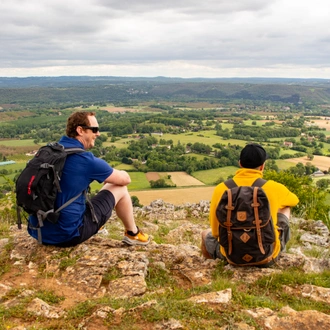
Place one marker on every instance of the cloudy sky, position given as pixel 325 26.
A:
pixel 172 38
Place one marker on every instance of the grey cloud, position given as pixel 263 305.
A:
pixel 184 6
pixel 213 33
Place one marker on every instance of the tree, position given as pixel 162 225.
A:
pixel 219 180
pixel 312 200
pixel 160 183
pixel 271 165
pixel 126 160
pixel 323 183
pixel 310 156
pixel 135 201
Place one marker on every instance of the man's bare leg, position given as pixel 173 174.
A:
pixel 124 207
pixel 286 211
pixel 203 247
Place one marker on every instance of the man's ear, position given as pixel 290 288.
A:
pixel 79 130
pixel 262 167
pixel 239 163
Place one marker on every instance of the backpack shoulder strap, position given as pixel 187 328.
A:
pixel 70 151
pixel 259 182
pixel 230 183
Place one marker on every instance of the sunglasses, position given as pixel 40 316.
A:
pixel 94 129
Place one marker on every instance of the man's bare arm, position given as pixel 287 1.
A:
pixel 120 178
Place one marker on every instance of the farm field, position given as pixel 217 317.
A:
pixel 321 162
pixel 182 179
pixel 118 109
pixel 176 196
pixel 322 123
pixel 18 143
pixel 209 177
pixel 139 181
pixel 287 151
pixel 206 137
pixel 152 176
pixel 283 164
pixel 197 156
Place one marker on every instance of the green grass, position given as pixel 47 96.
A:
pixel 284 164
pixel 328 199
pixel 315 179
pixel 139 181
pixel 95 186
pixel 19 143
pixel 14 167
pixel 197 156
pixel 13 170
pixel 209 177
pixel 288 151
pixel 226 125
pixel 326 148
pixel 9 177
pixel 125 167
pixel 207 137
pixel 249 123
pixel 282 139
pixel 121 143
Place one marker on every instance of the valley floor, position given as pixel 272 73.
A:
pixel 176 196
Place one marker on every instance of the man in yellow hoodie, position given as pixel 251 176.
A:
pixel 252 163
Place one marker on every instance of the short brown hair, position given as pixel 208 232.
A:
pixel 79 118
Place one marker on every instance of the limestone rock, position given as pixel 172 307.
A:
pixel 40 308
pixel 288 318
pixel 106 267
pixel 219 297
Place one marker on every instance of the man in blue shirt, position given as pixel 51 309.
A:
pixel 76 224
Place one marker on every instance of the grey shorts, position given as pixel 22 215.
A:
pixel 213 246
pixel 284 229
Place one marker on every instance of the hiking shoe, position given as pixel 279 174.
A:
pixel 139 239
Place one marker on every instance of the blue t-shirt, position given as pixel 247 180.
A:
pixel 79 171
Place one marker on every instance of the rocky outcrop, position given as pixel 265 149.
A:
pixel 106 267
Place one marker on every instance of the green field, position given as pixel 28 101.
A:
pixel 326 148
pixel 19 143
pixel 287 151
pixel 13 169
pixel 197 156
pixel 120 144
pixel 209 177
pixel 225 125
pixel 139 181
pixel 283 164
pixel 249 123
pixel 206 137
pixel 125 167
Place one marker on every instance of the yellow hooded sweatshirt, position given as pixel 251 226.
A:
pixel 278 196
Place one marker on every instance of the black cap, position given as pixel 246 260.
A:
pixel 252 156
